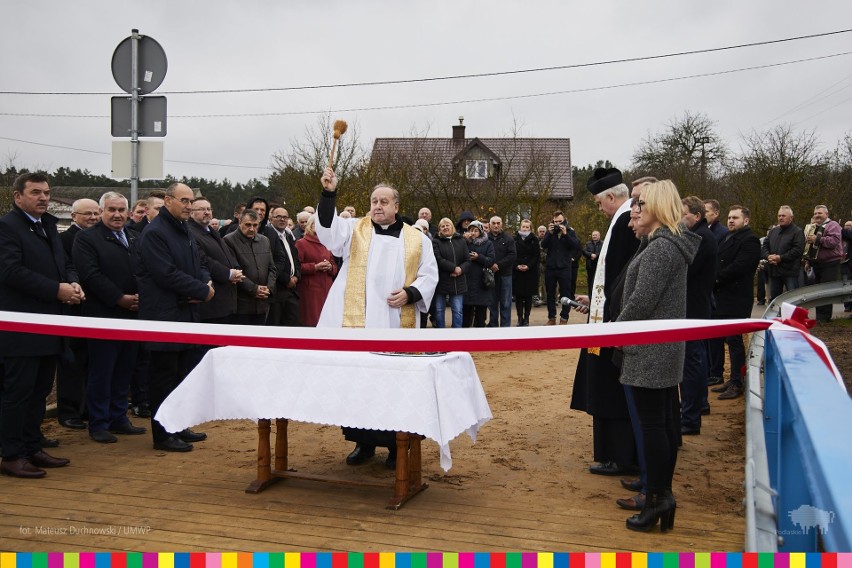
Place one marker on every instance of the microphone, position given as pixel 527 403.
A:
pixel 570 302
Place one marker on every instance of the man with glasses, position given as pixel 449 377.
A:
pixel 284 306
pixel 172 283
pixel 72 372
pixel 221 263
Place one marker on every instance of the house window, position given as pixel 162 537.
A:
pixel 477 169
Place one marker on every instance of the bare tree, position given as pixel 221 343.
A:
pixel 779 167
pixel 297 171
pixel 688 151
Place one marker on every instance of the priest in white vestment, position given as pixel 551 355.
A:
pixel 388 278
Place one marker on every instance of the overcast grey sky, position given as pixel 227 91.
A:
pixel 52 46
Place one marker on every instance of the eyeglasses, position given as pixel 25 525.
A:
pixel 637 203
pixel 202 209
pixel 86 213
pixel 280 216
pixel 184 200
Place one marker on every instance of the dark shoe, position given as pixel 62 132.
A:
pixel 128 428
pixel 632 484
pixel 103 437
pixel 73 423
pixel 657 507
pixel 43 459
pixel 711 381
pixel 390 462
pixel 685 431
pixel 722 388
pixel 608 468
pixel 173 444
pixel 734 391
pixel 761 303
pixel 634 503
pixel 48 442
pixel 189 436
pixel 141 410
pixel 360 455
pixel 21 467
pixel 705 411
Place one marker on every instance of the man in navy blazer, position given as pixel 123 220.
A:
pixel 104 256
pixel 35 277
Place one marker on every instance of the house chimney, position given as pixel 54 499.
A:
pixel 458 131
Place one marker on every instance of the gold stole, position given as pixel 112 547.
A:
pixel 355 294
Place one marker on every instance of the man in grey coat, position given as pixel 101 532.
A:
pixel 254 254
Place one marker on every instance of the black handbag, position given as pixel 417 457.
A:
pixel 488 280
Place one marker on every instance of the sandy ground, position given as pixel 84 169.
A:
pixel 534 447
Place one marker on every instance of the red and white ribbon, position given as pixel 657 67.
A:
pixel 398 340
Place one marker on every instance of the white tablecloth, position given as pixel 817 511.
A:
pixel 436 396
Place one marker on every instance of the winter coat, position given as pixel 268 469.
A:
pixel 655 288
pixel 739 253
pixel 170 274
pixel 702 274
pixel 789 243
pixel 525 284
pixel 314 286
pixel 451 252
pixel 220 261
pixel 504 253
pixel 561 249
pixel 477 294
pixel 255 258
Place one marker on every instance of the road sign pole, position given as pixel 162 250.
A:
pixel 134 116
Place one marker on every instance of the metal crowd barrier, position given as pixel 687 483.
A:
pixel 798 439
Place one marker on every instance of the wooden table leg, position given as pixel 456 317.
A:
pixel 408 483
pixel 264 465
pixel 414 467
pixel 281 444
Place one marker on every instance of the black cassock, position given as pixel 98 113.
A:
pixel 597 389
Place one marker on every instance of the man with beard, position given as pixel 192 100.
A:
pixel 739 253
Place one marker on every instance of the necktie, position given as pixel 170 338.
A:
pixel 283 236
pixel 121 238
pixel 40 229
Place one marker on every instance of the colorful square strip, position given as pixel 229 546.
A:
pixel 422 560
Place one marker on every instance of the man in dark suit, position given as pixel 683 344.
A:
pixel 72 372
pixel 35 277
pixel 172 282
pixel 223 266
pixel 700 278
pixel 739 253
pixel 711 214
pixel 284 304
pixel 104 256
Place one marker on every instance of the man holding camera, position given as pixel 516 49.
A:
pixel 561 246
